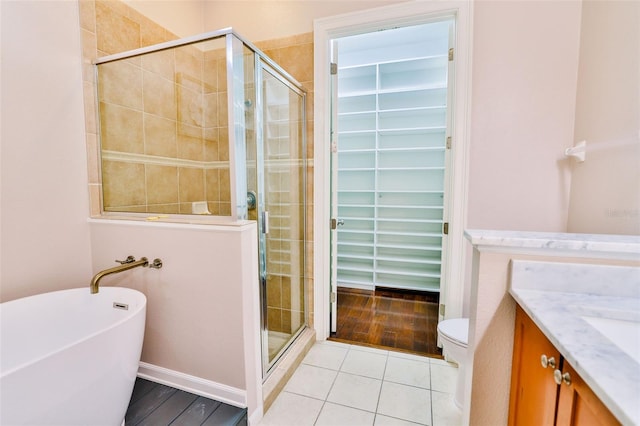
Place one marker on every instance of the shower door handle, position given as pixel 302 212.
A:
pixel 265 222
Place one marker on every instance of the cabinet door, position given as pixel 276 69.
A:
pixel 533 390
pixel 578 405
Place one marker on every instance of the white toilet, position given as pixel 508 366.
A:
pixel 454 336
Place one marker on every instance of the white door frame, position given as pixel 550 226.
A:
pixel 401 14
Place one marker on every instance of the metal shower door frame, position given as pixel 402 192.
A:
pixel 262 65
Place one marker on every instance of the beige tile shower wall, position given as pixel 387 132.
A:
pixel 295 55
pixel 173 109
pixel 103 26
pixel 216 136
pixel 129 29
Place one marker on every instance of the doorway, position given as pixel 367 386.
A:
pixel 389 172
pixel 400 16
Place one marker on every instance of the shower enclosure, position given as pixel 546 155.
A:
pixel 210 126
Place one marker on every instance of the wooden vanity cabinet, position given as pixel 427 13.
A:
pixel 578 405
pixel 536 398
pixel 533 394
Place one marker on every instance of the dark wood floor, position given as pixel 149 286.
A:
pixel 389 319
pixel 153 404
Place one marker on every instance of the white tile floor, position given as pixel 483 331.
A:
pixel 348 385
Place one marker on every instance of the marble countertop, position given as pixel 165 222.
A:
pixel 562 299
pixel 593 245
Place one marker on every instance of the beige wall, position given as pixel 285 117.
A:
pixel 605 189
pixel 525 58
pixel 183 18
pixel 201 319
pixel 45 237
pixel 257 20
pixel 260 20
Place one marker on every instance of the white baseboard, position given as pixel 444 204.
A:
pixel 193 384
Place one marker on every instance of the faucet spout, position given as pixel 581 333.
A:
pixel 124 267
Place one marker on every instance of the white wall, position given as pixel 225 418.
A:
pixel 259 20
pixel 525 59
pixel 605 189
pixel 45 237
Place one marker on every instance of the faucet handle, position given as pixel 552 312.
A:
pixel 129 259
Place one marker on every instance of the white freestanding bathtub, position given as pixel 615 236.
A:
pixel 70 357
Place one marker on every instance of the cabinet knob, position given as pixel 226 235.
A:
pixel 547 361
pixel 562 378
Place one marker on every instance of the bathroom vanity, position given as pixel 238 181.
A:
pixel 536 397
pixel 576 355
pixel 582 293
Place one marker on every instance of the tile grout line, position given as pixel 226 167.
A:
pixel 324 403
pixel 350 349
pixel 384 371
pixel 431 392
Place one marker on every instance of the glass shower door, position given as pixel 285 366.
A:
pixel 280 210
